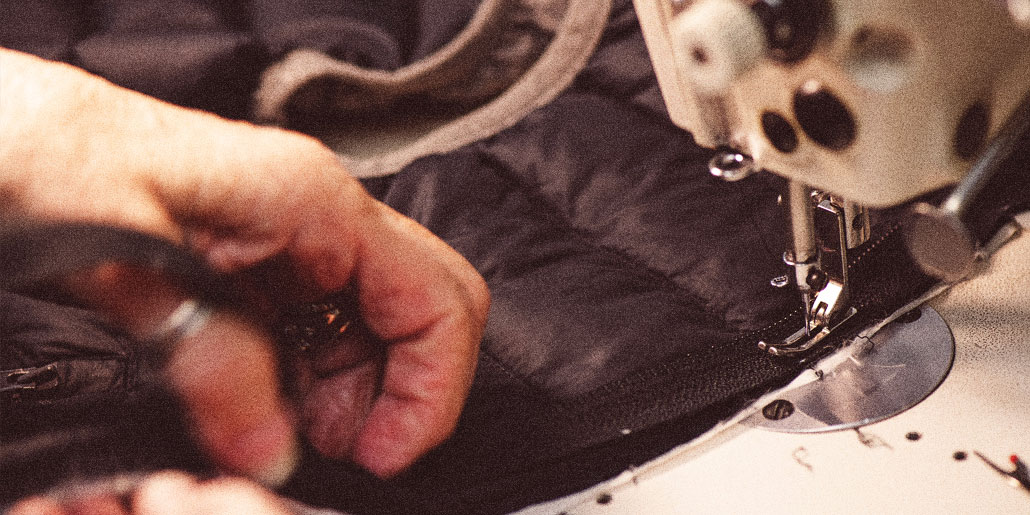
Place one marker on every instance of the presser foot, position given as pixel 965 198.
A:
pixel 823 315
pixel 805 339
pixel 872 379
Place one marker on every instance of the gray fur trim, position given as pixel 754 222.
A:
pixel 512 57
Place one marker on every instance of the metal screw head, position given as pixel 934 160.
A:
pixel 780 281
pixel 817 279
pixel 778 409
pixel 731 166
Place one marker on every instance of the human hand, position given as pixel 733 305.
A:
pixel 163 493
pixel 77 148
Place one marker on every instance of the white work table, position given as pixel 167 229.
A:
pixel 982 405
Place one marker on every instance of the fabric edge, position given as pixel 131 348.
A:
pixel 577 36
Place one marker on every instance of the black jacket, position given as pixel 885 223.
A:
pixel 629 285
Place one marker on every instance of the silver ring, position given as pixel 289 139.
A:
pixel 186 320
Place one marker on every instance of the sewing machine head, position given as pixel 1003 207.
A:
pixel 871 102
pixel 876 101
pixel 858 103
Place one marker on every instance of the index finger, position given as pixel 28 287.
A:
pixel 429 304
pixel 224 372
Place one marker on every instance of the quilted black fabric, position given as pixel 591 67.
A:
pixel 627 282
pixel 630 288
pixel 209 54
pixel 623 275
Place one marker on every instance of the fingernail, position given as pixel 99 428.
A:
pixel 268 454
pixel 279 470
pixel 385 462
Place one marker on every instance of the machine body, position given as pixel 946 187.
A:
pixel 876 101
pixel 859 103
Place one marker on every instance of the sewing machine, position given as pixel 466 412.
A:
pixel 905 104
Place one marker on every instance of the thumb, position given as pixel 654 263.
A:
pixel 224 372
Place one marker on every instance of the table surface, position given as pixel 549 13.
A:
pixel 983 406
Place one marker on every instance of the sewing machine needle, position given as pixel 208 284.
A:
pixel 806 299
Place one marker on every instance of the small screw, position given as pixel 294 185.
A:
pixel 960 455
pixel 910 317
pixel 778 409
pixel 780 281
pixel 817 279
pixel 913 436
pixel 731 166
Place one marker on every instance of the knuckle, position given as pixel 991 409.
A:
pixel 479 291
pixel 474 298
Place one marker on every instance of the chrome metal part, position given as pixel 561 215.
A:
pixel 824 298
pixel 799 198
pixel 893 370
pixel 828 302
pixel 835 207
pixel 805 257
pixel 856 218
pixel 731 166
pixel 802 341
pixel 938 238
